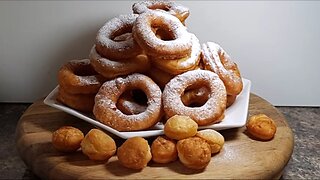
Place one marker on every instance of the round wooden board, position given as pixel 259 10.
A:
pixel 241 156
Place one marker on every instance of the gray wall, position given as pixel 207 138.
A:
pixel 276 44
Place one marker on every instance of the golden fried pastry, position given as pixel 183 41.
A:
pixel 206 114
pixel 217 60
pixel 180 127
pixel 213 138
pixel 134 153
pixel 194 152
pixel 164 150
pixel 67 139
pixel 97 145
pixel 105 108
pixel 261 127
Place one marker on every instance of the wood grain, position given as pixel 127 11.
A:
pixel 241 156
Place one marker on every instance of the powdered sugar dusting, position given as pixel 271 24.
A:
pixel 218 61
pixel 177 66
pixel 205 114
pixel 142 31
pixel 106 111
pixel 170 7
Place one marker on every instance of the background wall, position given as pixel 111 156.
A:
pixel 276 44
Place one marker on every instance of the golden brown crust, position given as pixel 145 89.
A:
pixel 67 139
pixel 81 102
pixel 111 69
pixel 231 99
pixel 158 76
pixel 180 65
pixel 180 127
pixel 178 46
pixel 213 138
pixel 194 152
pixel 97 145
pixel 164 150
pixel 106 111
pixel 111 47
pixel 217 60
pixel 79 77
pixel 206 114
pixel 134 153
pixel 261 127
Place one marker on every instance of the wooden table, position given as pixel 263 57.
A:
pixel 241 156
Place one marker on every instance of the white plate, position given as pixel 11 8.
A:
pixel 235 115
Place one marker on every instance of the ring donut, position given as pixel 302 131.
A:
pixel 112 48
pixel 206 114
pixel 111 69
pixel 106 111
pixel 173 8
pixel 178 66
pixel 217 60
pixel 79 77
pixel 81 102
pixel 178 46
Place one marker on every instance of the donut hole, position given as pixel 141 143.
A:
pixel 122 37
pixel 162 31
pixel 122 34
pixel 195 96
pixel 136 102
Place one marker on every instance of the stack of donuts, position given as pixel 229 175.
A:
pixel 146 67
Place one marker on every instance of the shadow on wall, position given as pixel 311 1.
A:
pixel 76 47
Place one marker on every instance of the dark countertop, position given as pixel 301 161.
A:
pixel 304 163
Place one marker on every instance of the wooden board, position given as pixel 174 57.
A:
pixel 241 156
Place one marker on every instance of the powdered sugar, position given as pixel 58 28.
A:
pixel 142 31
pixel 207 113
pixel 106 111
pixel 218 61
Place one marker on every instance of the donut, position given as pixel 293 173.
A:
pixel 163 150
pixel 123 48
pixel 217 60
pixel 79 77
pixel 81 102
pixel 178 66
pixel 178 46
pixel 213 138
pixel 194 152
pixel 261 127
pixel 230 100
pixel 67 139
pixel 173 8
pixel 205 114
pixel 158 76
pixel 106 111
pixel 98 145
pixel 134 153
pixel 111 69
pixel 180 127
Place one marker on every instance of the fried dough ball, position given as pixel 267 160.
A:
pixel 213 138
pixel 180 127
pixel 164 150
pixel 97 145
pixel 261 127
pixel 134 153
pixel 67 139
pixel 194 152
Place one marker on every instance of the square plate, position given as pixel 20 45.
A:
pixel 235 115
